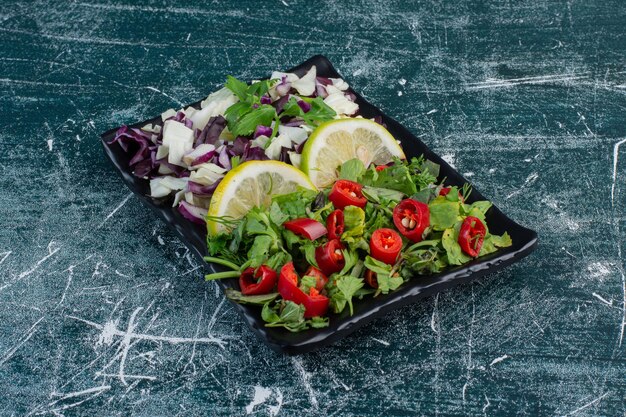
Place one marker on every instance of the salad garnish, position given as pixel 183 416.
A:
pixel 307 205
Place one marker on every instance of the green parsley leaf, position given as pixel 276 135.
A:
pixel 493 242
pixel 443 213
pixel 352 170
pixel 306 282
pixel 349 285
pixel 450 243
pixel 354 220
pixel 295 204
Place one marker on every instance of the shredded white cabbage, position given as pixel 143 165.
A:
pixel 338 101
pixel 167 114
pixel 273 150
pixel 339 83
pixel 306 84
pixel 200 150
pixel 295 134
pixel 163 186
pixel 214 105
pixel 207 173
pixel 179 140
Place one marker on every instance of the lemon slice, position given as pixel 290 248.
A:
pixel 252 184
pixel 338 141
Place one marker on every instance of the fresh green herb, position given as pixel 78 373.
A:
pixel 348 286
pixel 352 170
pixel 290 315
pixel 258 300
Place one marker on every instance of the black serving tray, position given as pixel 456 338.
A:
pixel 368 309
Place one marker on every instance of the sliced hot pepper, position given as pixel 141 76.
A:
pixel 411 218
pixel 446 190
pixel 472 235
pixel 347 193
pixel 319 276
pixel 257 282
pixel 314 303
pixel 335 224
pixel 371 278
pixel 305 227
pixel 329 257
pixel 385 245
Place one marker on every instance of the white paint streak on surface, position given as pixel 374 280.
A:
pixel 529 181
pixel 29 333
pixel 261 394
pixel 305 379
pixel 557 78
pixel 115 210
pixel 4 256
pixel 615 163
pixel 604 300
pixel 112 330
pixel 79 393
pixel 499 359
pixel 382 342
pixel 52 249
pixel 589 404
pixel 156 90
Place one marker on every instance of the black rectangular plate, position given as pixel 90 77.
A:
pixel 193 236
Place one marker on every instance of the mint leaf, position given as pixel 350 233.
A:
pixel 239 88
pixel 236 111
pixel 245 126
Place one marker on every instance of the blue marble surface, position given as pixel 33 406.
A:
pixel 104 312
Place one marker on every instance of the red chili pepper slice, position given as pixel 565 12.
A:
pixel 305 227
pixel 314 303
pixel 411 218
pixel 257 282
pixel 347 193
pixel 322 280
pixel 335 224
pixel 371 278
pixel 446 190
pixel 329 257
pixel 385 245
pixel 472 235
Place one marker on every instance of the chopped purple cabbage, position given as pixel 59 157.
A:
pixel 192 213
pixel 304 106
pixel 262 131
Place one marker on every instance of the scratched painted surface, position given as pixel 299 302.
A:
pixel 103 312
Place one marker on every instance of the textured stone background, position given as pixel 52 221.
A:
pixel 104 312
